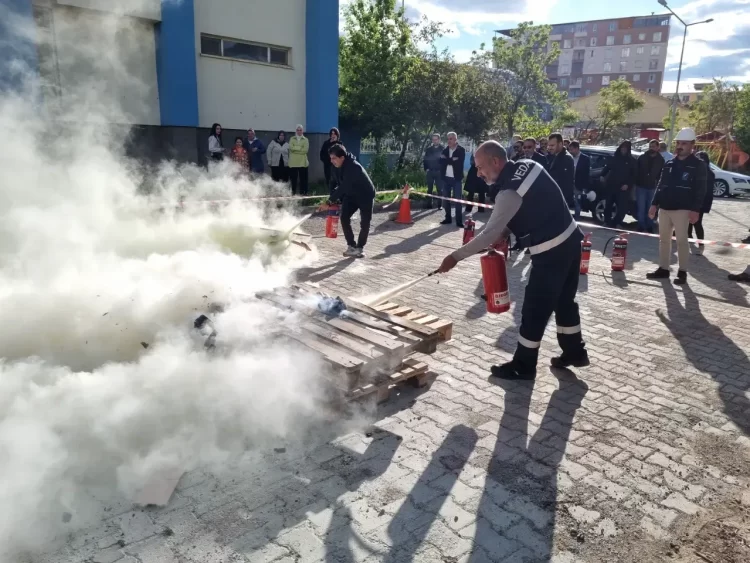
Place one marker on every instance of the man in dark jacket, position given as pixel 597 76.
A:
pixel 582 163
pixel 255 150
pixel 648 172
pixel 619 178
pixel 452 171
pixel 431 164
pixel 530 152
pixel 678 199
pixel 334 138
pixel 474 185
pixel 561 167
pixel 353 187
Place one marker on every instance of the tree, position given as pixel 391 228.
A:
pixel 478 108
pixel 374 58
pixel 715 108
pixel 524 57
pixel 616 101
pixel 741 127
pixel 531 125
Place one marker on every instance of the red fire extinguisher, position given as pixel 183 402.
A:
pixel 332 222
pixel 495 279
pixel 503 246
pixel 469 227
pixel 585 254
pixel 619 252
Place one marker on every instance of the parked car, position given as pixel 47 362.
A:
pixel 599 157
pixel 730 184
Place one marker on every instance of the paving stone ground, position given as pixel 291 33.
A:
pixel 622 463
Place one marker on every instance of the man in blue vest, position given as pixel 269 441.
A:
pixel 531 205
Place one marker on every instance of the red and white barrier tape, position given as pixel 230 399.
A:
pixel 272 198
pixel 603 228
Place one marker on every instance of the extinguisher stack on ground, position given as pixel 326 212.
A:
pixel 619 252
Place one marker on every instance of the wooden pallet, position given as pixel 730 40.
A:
pixel 412 370
pixel 364 346
pixel 443 326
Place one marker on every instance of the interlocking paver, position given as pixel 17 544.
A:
pixel 628 461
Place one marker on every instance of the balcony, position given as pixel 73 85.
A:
pixel 577 83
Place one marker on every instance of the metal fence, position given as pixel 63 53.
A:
pixel 392 146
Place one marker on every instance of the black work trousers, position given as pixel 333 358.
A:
pixel 470 197
pixel 618 202
pixel 349 206
pixel 298 177
pixel 552 288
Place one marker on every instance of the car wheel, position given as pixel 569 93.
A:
pixel 721 188
pixel 599 210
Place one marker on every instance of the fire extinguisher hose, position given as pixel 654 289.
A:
pixel 604 252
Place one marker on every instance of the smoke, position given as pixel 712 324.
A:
pixel 103 381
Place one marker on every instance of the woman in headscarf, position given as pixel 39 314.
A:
pixel 215 145
pixel 278 158
pixel 334 138
pixel 708 201
pixel 299 146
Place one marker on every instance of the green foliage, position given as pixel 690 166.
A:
pixel 411 172
pixel 616 101
pixel 742 118
pixel 714 110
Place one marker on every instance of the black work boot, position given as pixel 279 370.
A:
pixel 567 360
pixel 658 274
pixel 512 371
pixel 447 221
pixel 681 278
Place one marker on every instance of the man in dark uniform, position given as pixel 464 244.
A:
pixel 531 205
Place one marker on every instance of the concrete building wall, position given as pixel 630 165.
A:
pixel 240 93
pixel 117 84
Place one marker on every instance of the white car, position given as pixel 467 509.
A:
pixel 730 184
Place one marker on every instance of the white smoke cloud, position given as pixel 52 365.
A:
pixel 103 380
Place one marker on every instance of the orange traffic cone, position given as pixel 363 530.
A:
pixel 404 211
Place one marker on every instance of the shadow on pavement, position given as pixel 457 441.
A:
pixel 715 277
pixel 411 244
pixel 711 351
pixel 513 516
pixel 320 273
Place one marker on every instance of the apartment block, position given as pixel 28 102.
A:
pixel 595 53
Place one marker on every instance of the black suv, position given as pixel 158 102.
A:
pixel 599 157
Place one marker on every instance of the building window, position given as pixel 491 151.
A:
pixel 610 39
pixel 607 54
pixel 605 80
pixel 650 90
pixel 567 44
pixel 653 64
pixel 655 50
pixel 580 42
pixel 625 53
pixel 638 64
pixel 594 28
pixel 664 22
pixel 651 78
pixel 580 28
pixel 588 92
pixel 657 36
pixel 607 67
pixel 589 79
pixel 563 82
pixel 636 77
pixel 641 37
pixel 613 26
pixel 623 66
pixel 627 39
pixel 622 77
pixel 639 50
pixel 564 69
pixel 244 51
pixel 685 99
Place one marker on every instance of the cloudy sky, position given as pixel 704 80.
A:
pixel 718 49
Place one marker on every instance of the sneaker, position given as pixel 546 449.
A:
pixel 681 278
pixel 746 240
pixel 350 252
pixel 699 250
pixel 741 277
pixel 658 274
pixel 511 372
pixel 566 361
pixel 360 253
pixel 446 221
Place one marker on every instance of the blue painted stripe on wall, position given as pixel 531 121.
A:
pixel 14 48
pixel 176 70
pixel 322 72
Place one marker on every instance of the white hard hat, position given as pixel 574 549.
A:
pixel 685 134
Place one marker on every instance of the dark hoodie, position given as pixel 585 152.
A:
pixel 351 181
pixel 620 170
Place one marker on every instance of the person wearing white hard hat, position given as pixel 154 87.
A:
pixel 678 199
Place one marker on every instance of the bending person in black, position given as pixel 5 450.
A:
pixel 351 185
pixel 531 205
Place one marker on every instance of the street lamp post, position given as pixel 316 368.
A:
pixel 673 109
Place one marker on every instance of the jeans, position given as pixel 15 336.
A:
pixel 435 180
pixel 482 198
pixel 348 207
pixel 577 204
pixel 643 198
pixel 452 188
pixel 677 221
